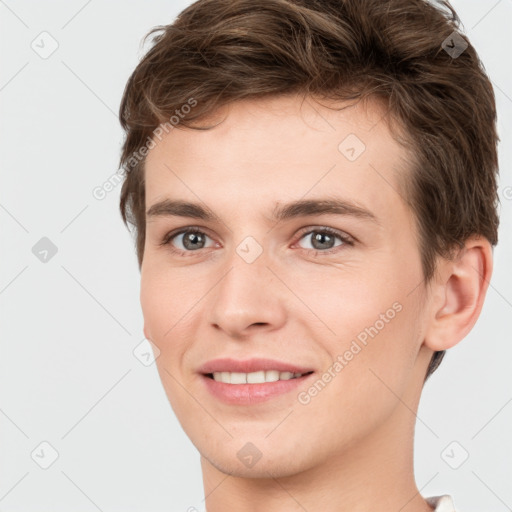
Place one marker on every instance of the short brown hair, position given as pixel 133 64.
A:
pixel 400 52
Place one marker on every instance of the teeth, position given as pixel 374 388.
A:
pixel 253 377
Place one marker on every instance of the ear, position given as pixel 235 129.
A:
pixel 458 293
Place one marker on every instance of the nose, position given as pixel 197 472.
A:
pixel 249 297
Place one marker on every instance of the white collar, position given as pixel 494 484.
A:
pixel 442 503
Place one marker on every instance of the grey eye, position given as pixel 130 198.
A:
pixel 321 239
pixel 191 240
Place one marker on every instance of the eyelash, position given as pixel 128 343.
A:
pixel 324 230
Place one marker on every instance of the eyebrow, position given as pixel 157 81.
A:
pixel 281 212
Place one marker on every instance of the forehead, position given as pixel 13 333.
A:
pixel 280 148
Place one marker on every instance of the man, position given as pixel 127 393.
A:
pixel 313 191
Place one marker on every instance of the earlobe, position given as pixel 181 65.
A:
pixel 458 294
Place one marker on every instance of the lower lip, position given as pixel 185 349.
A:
pixel 248 394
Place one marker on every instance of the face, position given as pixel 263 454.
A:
pixel 274 284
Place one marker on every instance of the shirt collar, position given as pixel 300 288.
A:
pixel 442 503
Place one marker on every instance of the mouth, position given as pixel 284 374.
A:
pixel 252 381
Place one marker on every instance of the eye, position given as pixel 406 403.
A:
pixel 323 239
pixel 193 240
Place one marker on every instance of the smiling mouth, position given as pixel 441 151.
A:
pixel 259 377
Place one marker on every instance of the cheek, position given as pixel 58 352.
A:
pixel 375 366
pixel 161 312
pixel 373 320
pixel 171 302
pixel 165 298
pixel 351 298
pixel 165 301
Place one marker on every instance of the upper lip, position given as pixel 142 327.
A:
pixel 227 364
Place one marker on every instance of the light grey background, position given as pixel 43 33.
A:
pixel 69 326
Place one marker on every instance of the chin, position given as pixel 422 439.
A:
pixel 260 458
pixel 276 467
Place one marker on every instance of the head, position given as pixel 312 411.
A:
pixel 243 107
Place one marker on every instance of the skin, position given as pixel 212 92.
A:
pixel 351 447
